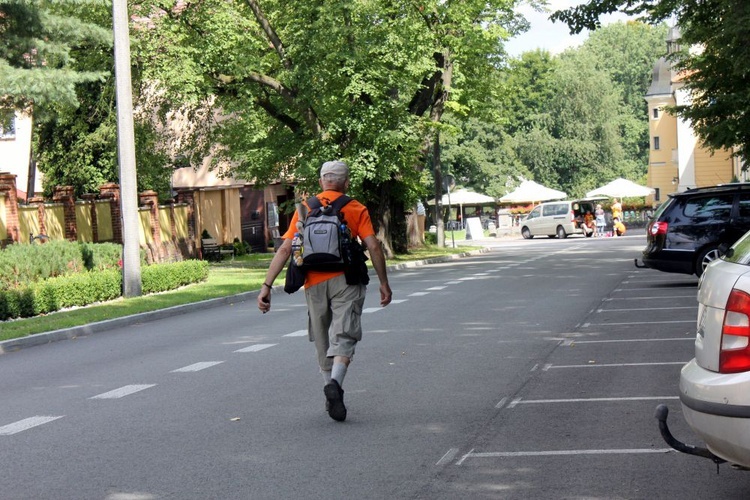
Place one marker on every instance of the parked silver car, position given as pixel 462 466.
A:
pixel 715 386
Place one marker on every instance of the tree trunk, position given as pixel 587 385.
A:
pixel 388 217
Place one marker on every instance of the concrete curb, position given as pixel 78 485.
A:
pixel 36 339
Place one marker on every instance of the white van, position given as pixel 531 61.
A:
pixel 556 218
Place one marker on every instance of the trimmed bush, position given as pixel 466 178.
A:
pixel 163 277
pixel 86 288
pixel 22 264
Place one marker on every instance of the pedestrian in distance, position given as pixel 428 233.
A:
pixel 616 210
pixel 618 228
pixel 334 307
pixel 601 221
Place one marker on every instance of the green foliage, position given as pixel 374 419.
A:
pixel 715 75
pixel 85 288
pixel 36 51
pixel 22 264
pixel 579 119
pixel 162 277
pixel 366 82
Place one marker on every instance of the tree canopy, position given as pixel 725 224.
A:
pixel 366 82
pixel 37 38
pixel 714 69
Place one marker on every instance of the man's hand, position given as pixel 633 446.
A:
pixel 264 299
pixel 385 295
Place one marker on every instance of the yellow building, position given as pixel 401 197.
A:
pixel 677 161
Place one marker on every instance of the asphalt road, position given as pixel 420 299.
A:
pixel 529 371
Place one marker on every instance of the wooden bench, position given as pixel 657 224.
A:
pixel 212 251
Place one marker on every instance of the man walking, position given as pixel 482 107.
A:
pixel 334 308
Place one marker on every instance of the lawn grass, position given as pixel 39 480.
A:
pixel 226 278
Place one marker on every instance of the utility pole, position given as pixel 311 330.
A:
pixel 438 191
pixel 131 261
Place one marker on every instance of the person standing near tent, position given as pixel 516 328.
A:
pixel 601 221
pixel 616 210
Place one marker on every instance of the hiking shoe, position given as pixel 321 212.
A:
pixel 335 401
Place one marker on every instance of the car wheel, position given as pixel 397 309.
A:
pixel 707 255
pixel 526 233
pixel 561 232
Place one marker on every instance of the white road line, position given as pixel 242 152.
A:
pixel 587 325
pixel 468 278
pixel 298 333
pixel 635 289
pixel 571 342
pixel 552 453
pixel 501 403
pixel 255 348
pixel 615 365
pixel 436 288
pixel 369 310
pixel 670 297
pixel 521 401
pixel 398 301
pixel 448 457
pixel 452 282
pixel 418 294
pixel 648 309
pixel 123 391
pixel 196 367
pixel 25 424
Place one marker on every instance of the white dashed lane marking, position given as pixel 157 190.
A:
pixel 418 294
pixel 123 391
pixel 255 348
pixel 196 367
pixel 298 333
pixel 25 424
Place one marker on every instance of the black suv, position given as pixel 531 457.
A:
pixel 694 227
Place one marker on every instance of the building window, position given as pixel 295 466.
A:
pixel 656 194
pixel 656 113
pixel 656 143
pixel 7 126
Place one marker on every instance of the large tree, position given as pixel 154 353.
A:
pixel 37 38
pixel 715 74
pixel 364 81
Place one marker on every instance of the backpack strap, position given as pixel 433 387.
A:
pixel 313 202
pixel 340 202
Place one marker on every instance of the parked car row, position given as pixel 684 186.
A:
pixel 706 232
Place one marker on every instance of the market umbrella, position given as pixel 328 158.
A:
pixel 531 192
pixel 621 188
pixel 465 197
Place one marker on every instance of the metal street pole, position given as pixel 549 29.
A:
pixel 131 262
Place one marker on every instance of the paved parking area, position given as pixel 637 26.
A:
pixel 583 426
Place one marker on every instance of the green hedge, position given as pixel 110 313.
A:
pixel 87 288
pixel 23 264
pixel 163 277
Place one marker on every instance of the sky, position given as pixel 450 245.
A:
pixel 545 34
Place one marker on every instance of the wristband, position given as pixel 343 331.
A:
pixel 266 284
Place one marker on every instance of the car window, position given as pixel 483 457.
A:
pixel 661 208
pixel 740 251
pixel 535 213
pixel 744 205
pixel 709 207
pixel 553 209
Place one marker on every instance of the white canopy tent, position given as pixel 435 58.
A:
pixel 532 192
pixel 621 188
pixel 465 197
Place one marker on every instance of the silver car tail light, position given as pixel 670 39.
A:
pixel 735 334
